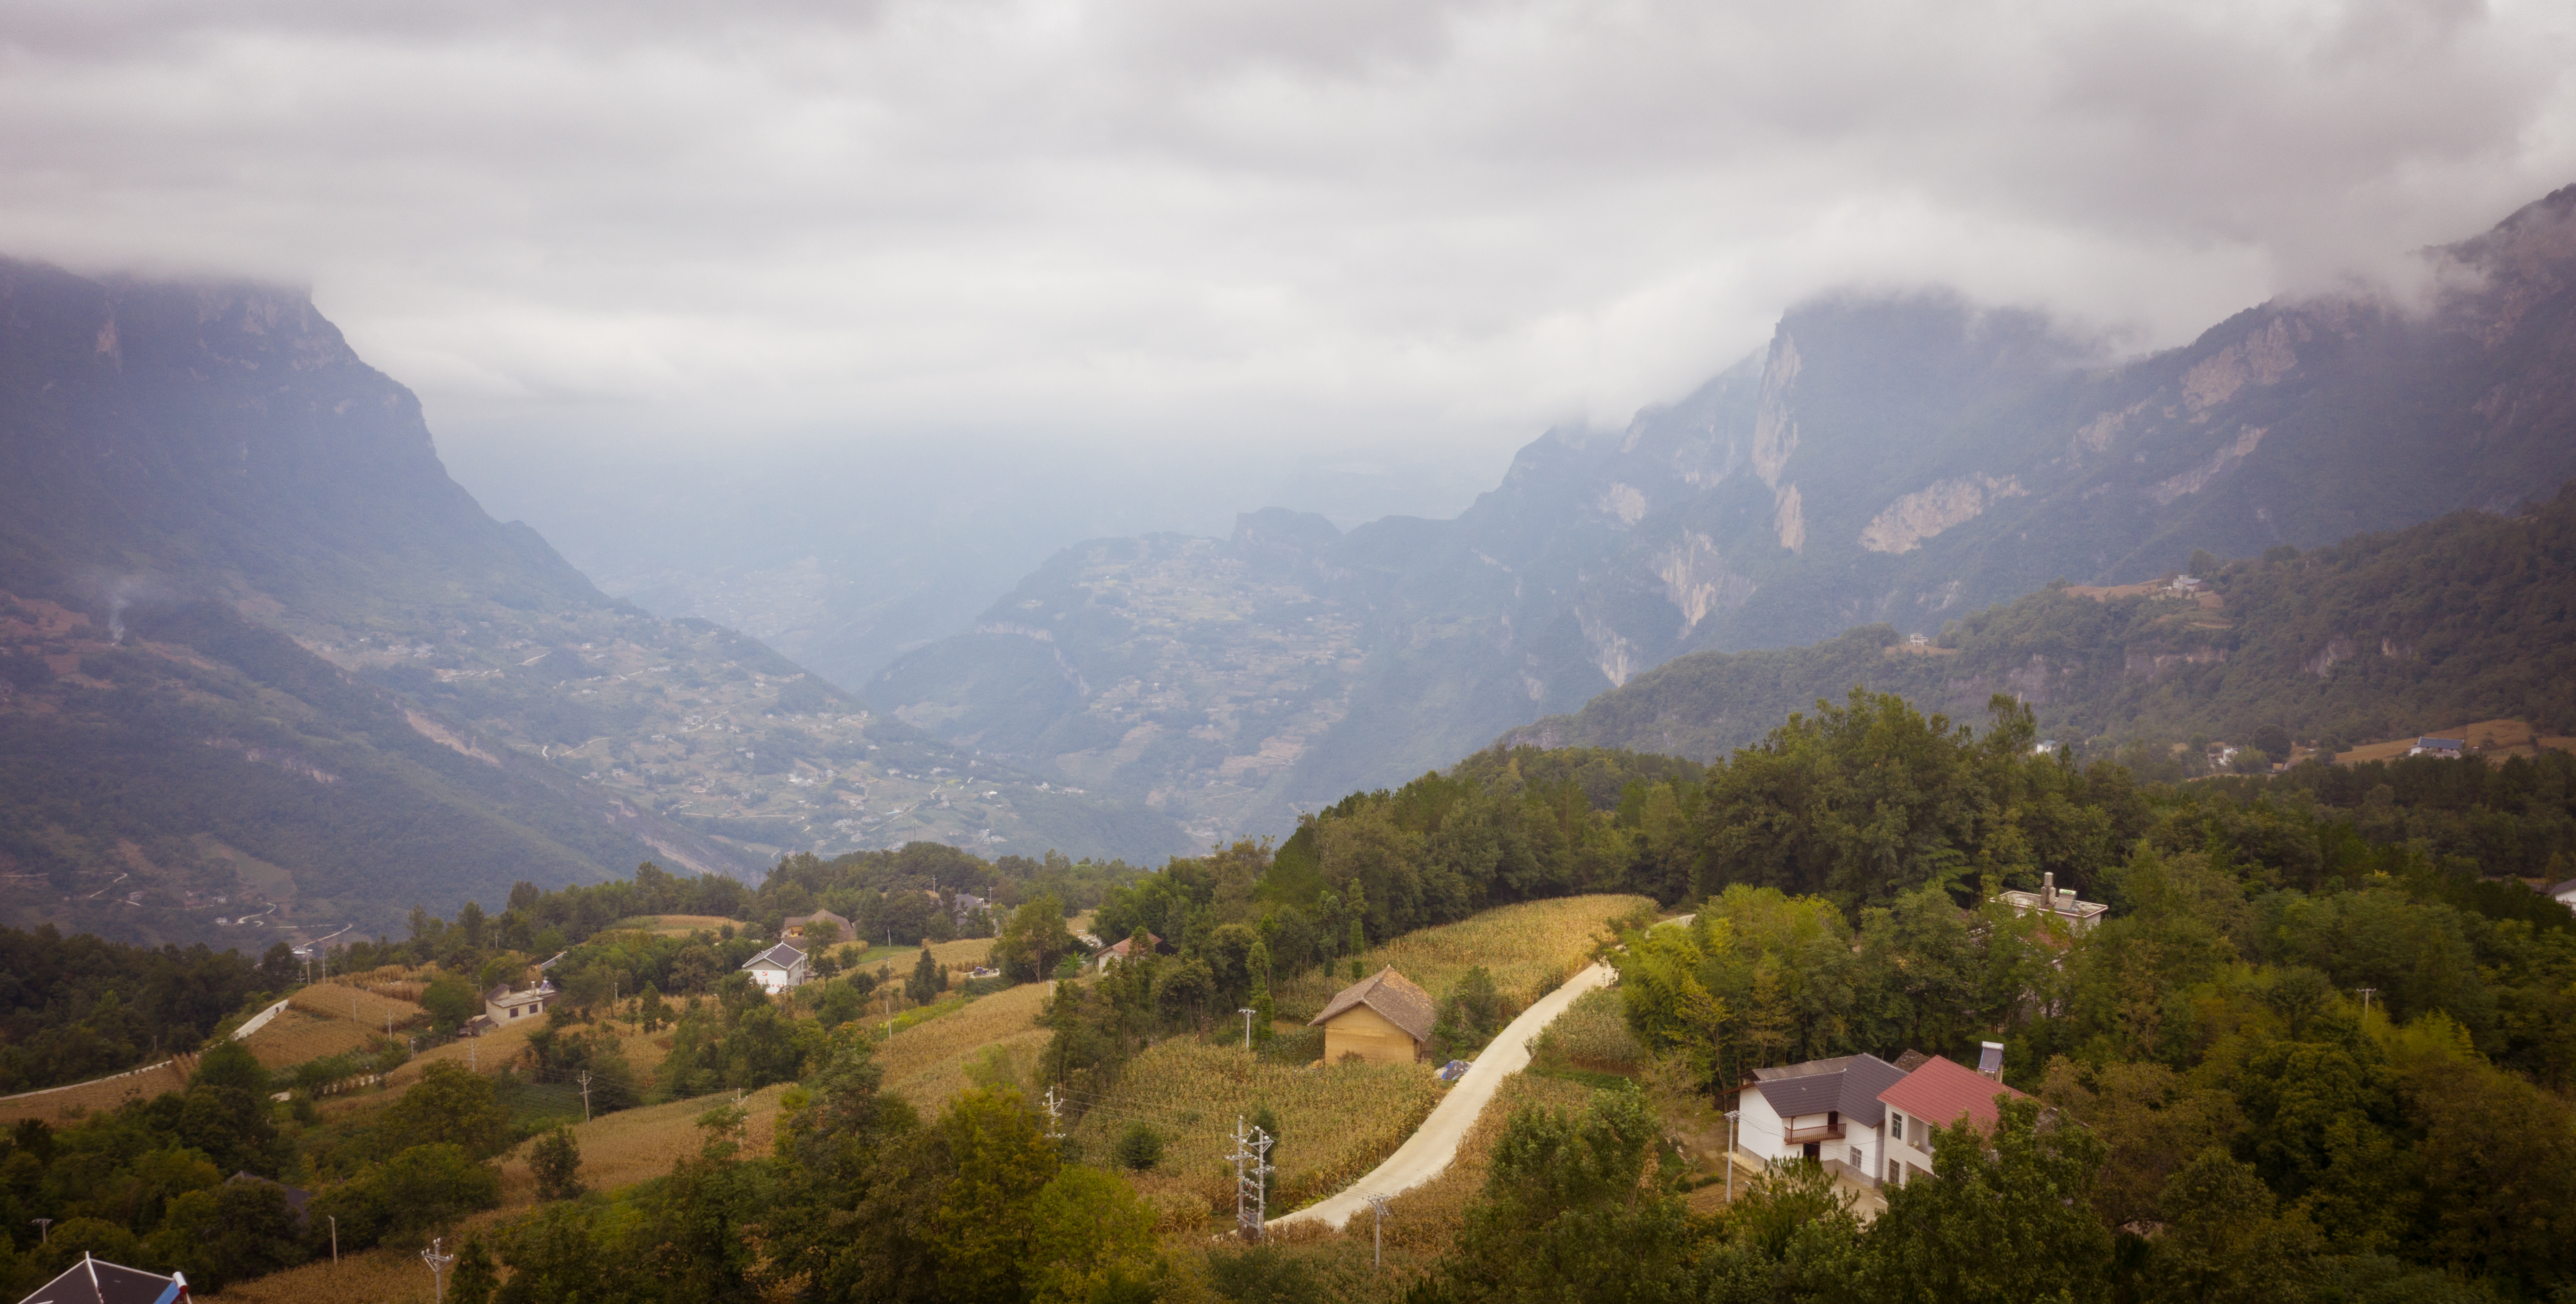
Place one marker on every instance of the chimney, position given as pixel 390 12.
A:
pixel 1990 1059
pixel 2048 890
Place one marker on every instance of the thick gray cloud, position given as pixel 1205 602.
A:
pixel 1346 222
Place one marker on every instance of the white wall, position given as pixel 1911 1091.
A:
pixel 1758 1132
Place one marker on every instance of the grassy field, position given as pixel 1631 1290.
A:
pixel 1530 948
pixel 1338 1121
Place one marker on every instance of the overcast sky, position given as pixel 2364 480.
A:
pixel 1358 223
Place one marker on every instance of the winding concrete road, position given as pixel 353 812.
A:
pixel 1426 1154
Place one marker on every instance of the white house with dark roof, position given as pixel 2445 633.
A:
pixel 1826 1110
pixel 97 1281
pixel 2453 748
pixel 778 969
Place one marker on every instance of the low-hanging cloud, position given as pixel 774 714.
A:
pixel 1339 221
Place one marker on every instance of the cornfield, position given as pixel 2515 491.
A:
pixel 1337 1121
pixel 376 1276
pixel 298 1035
pixel 88 1098
pixel 676 925
pixel 339 1000
pixel 1530 949
pixel 1592 1034
pixel 927 1063
pixel 633 1145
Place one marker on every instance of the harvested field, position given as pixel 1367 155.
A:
pixel 927 1064
pixel 1530 948
pixel 1337 1120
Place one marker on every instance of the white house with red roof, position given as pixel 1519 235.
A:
pixel 1936 1095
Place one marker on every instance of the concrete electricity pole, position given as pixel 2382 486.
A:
pixel 1377 1233
pixel 1732 1117
pixel 1247 1027
pixel 438 1264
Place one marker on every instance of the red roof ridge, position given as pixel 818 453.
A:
pixel 1942 1091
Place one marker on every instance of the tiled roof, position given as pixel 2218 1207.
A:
pixel 1911 1060
pixel 1848 1085
pixel 1941 1091
pixel 1128 947
pixel 796 921
pixel 784 955
pixel 1389 993
pixel 97 1281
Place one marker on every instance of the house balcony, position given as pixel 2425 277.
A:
pixel 1798 1136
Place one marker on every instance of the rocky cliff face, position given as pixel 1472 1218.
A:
pixel 257 648
pixel 1904 461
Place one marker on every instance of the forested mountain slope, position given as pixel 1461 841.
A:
pixel 2469 617
pixel 260 657
pixel 1899 460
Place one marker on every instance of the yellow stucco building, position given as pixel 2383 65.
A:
pixel 1383 1018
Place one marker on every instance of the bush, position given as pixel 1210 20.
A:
pixel 1138 1148
pixel 555 1160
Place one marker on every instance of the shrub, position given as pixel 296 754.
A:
pixel 1138 1148
pixel 555 1160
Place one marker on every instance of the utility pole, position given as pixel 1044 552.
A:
pixel 1377 1234
pixel 585 1095
pixel 1733 1116
pixel 44 1230
pixel 335 1239
pixel 1055 1116
pixel 2366 993
pixel 1247 1027
pixel 438 1264
pixel 1251 1172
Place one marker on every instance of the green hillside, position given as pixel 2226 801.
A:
pixel 2469 617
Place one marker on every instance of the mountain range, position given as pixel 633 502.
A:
pixel 2469 617
pixel 1899 460
pixel 264 666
